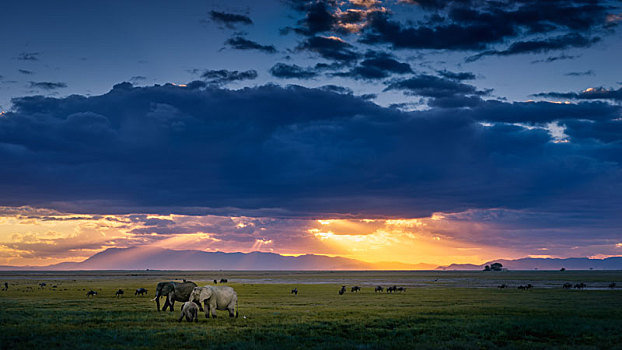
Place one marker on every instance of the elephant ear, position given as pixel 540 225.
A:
pixel 206 293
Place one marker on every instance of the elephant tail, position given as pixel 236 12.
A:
pixel 236 308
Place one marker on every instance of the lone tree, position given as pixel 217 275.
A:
pixel 493 267
pixel 487 268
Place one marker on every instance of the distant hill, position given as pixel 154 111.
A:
pixel 141 258
pixel 614 263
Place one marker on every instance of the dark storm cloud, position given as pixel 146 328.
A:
pixel 599 93
pixel 377 66
pixel 229 19
pixel 26 72
pixel 296 151
pixel 28 56
pixel 292 71
pixel 240 43
pixel 556 58
pixel 47 85
pixel 223 76
pixel 330 48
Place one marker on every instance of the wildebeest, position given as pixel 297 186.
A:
pixel 580 285
pixel 342 290
pixel 355 289
pixel 527 287
pixel 140 291
pixel 379 289
pixel 502 286
pixel 223 280
pixel 391 289
pixel 119 293
pixel 567 285
pixel 191 310
pixel 215 282
pixel 6 286
pixel 173 291
pixel 401 289
pixel 611 285
pixel 294 291
pixel 42 285
pixel 91 293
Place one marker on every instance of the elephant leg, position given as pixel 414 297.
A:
pixel 207 311
pixel 196 316
pixel 213 309
pixel 181 317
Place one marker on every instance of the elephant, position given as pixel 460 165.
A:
pixel 174 291
pixel 190 310
pixel 216 298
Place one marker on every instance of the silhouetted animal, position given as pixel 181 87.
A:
pixel 527 287
pixel 42 285
pixel 580 285
pixel 215 282
pixel 294 291
pixel 567 285
pixel 342 290
pixel 502 286
pixel 391 289
pixel 6 286
pixel 140 291
pixel 91 293
pixel 355 289
pixel 401 289
pixel 119 293
pixel 379 289
pixel 611 285
pixel 223 280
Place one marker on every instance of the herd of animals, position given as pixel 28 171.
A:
pixel 210 298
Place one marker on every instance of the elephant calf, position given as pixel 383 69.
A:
pixel 216 298
pixel 190 310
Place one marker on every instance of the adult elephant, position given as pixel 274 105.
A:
pixel 216 298
pixel 174 291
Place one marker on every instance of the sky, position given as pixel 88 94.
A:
pixel 409 131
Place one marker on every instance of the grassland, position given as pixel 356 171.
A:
pixel 451 310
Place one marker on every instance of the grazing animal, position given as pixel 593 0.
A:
pixel 223 280
pixel 6 286
pixel 42 285
pixel 173 291
pixel 401 289
pixel 378 289
pixel 140 291
pixel 190 310
pixel 580 285
pixel 294 291
pixel 342 290
pixel 567 285
pixel 215 282
pixel 502 286
pixel 611 285
pixel 119 293
pixel 355 289
pixel 391 289
pixel 91 293
pixel 216 298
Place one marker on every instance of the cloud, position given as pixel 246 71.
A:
pixel 556 58
pixel 223 76
pixel 598 93
pixel 26 72
pixel 301 152
pixel 292 71
pixel 456 76
pixel 28 56
pixel 46 85
pixel 331 48
pixel 229 19
pixel 240 43
pixel 571 40
pixel 580 74
pixel 444 92
pixel 377 65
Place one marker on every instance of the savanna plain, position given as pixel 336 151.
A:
pixel 438 309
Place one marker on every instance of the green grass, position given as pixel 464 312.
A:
pixel 434 315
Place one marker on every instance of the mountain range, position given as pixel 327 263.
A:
pixel 143 258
